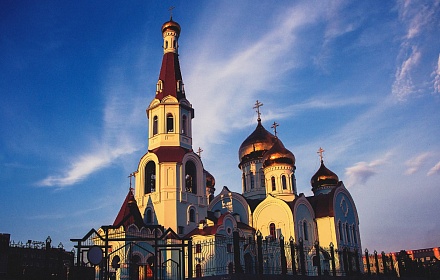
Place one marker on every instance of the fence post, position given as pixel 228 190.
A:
pixel 318 258
pixel 260 252
pixel 332 255
pixel 283 256
pixel 190 259
pixel 384 263
pixel 392 265
pixel 292 254
pixel 236 242
pixel 302 256
pixel 367 260
pixel 376 260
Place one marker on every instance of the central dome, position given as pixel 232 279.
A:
pixel 256 144
pixel 324 177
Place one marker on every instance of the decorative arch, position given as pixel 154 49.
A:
pixel 191 215
pixel 150 177
pixel 190 177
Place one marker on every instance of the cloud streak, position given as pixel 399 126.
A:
pixel 435 170
pixel 362 171
pixel 415 163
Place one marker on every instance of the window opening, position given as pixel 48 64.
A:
pixel 306 231
pixel 170 123
pixel 284 182
pixel 252 180
pixel 273 183
pixel 192 216
pixel 262 178
pixel 184 124
pixel 155 121
pixel 190 177
pixel 150 179
pixel 272 230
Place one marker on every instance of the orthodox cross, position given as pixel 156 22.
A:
pixel 171 11
pixel 199 152
pixel 257 106
pixel 320 152
pixel 274 126
pixel 130 176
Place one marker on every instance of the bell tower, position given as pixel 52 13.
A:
pixel 170 180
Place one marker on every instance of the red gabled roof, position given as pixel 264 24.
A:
pixel 170 74
pixel 172 153
pixel 129 213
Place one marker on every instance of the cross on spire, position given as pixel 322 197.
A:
pixel 171 11
pixel 257 106
pixel 199 152
pixel 130 176
pixel 320 152
pixel 274 126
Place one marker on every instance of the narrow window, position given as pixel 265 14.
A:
pixel 273 183
pixel 150 177
pixel 166 44
pixel 198 270
pixel 155 125
pixel 170 123
pixel 284 182
pixel 272 230
pixel 347 231
pixel 252 180
pixel 174 44
pixel 341 235
pixel 198 248
pixel 192 216
pixel 244 181
pixel 354 235
pixel 306 231
pixel 190 177
pixel 262 178
pixel 293 182
pixel 184 124
pixel 149 216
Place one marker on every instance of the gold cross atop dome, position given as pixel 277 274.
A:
pixel 171 11
pixel 199 152
pixel 320 152
pixel 257 106
pixel 274 126
pixel 130 176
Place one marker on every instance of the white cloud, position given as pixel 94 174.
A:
pixel 360 172
pixel 403 85
pixel 436 75
pixel 415 163
pixel 434 170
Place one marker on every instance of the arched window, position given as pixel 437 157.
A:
pixel 155 121
pixel 192 215
pixel 244 181
pixel 150 177
pixel 184 125
pixel 262 178
pixel 251 175
pixel 272 230
pixel 284 182
pixel 190 177
pixel 341 233
pixel 347 232
pixel 306 231
pixel 166 44
pixel 170 123
pixel 149 216
pixel 273 183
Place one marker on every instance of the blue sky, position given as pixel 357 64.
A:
pixel 359 78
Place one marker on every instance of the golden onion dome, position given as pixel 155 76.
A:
pixel 323 177
pixel 278 154
pixel 256 144
pixel 210 180
pixel 171 25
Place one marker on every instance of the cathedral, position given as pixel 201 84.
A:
pixel 174 195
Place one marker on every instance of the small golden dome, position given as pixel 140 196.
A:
pixel 254 146
pixel 278 154
pixel 324 177
pixel 171 25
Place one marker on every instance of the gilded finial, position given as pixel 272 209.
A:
pixel 320 152
pixel 199 152
pixel 274 126
pixel 171 12
pixel 257 106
